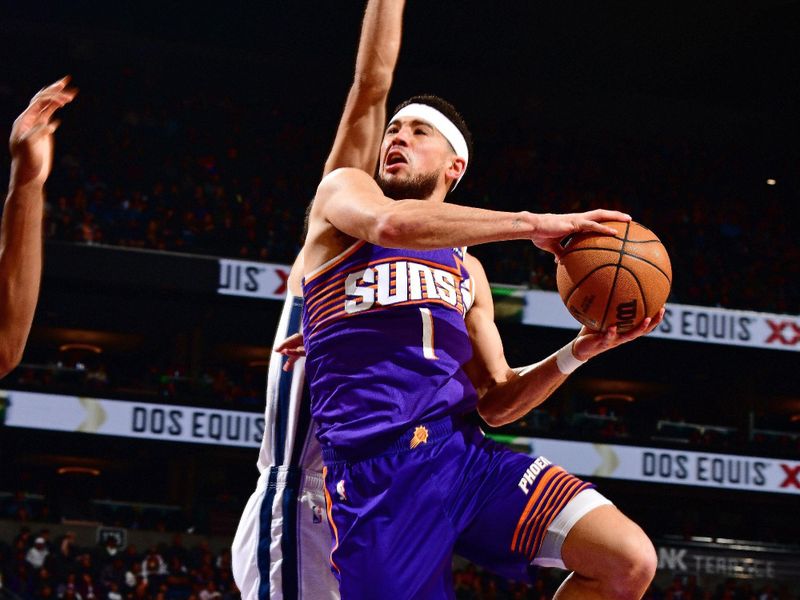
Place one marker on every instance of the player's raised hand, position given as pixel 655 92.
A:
pixel 590 343
pixel 552 228
pixel 31 140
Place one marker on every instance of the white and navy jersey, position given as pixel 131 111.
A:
pixel 281 547
pixel 288 428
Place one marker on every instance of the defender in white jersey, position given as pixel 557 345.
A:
pixel 283 541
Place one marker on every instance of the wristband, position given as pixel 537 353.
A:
pixel 566 360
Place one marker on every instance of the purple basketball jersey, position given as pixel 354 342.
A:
pixel 385 341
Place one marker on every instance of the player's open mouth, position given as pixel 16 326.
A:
pixel 394 158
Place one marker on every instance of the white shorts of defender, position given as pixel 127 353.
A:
pixel 282 546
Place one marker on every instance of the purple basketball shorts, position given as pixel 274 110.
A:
pixel 442 487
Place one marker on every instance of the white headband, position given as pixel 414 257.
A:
pixel 445 126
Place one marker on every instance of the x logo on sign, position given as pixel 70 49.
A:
pixel 777 332
pixel 284 276
pixel 792 474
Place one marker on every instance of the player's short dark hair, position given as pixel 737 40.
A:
pixel 448 110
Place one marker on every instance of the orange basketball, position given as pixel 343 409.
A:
pixel 607 280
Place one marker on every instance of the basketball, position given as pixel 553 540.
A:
pixel 618 280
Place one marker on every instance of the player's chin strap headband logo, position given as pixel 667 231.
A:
pixel 445 126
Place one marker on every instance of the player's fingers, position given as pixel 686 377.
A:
pixel 611 336
pixel 603 214
pixel 657 319
pixel 43 108
pixel 59 99
pixel 291 342
pixel 636 332
pixel 589 225
pixel 644 326
pixel 49 110
pixel 60 84
pixel 553 247
pixel 66 94
pixel 52 126
pixel 34 133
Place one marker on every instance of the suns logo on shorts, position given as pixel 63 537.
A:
pixel 420 437
pixel 531 473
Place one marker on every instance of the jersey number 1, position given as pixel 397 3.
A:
pixel 427 334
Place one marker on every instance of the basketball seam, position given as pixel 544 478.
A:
pixel 571 250
pixel 568 251
pixel 639 285
pixel 616 276
pixel 584 278
pixel 652 264
pixel 623 253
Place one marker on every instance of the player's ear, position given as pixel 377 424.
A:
pixel 456 168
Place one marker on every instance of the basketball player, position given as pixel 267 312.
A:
pixel 31 147
pixel 282 544
pixel 401 344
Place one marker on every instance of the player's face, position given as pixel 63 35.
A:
pixel 413 157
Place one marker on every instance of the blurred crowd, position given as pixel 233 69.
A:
pixel 43 498
pixel 34 566
pixel 473 583
pixel 676 425
pixel 186 170
pixel 230 385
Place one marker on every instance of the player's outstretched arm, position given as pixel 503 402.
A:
pixel 507 394
pixel 31 146
pixel 357 141
pixel 361 127
pixel 351 201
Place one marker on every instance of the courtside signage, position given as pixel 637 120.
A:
pixel 252 279
pixel 682 322
pixel 685 323
pixel 657 465
pixel 120 418
pixel 728 560
pixel 191 424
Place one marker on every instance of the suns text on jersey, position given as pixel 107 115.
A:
pixel 403 281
